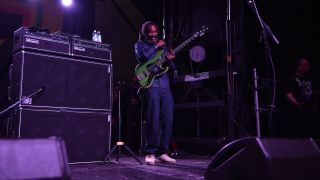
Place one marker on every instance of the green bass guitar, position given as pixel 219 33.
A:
pixel 146 72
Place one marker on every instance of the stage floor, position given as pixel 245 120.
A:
pixel 192 167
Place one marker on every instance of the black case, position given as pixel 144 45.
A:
pixel 93 50
pixel 25 39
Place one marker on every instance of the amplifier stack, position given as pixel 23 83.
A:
pixel 73 81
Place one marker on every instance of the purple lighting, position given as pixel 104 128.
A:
pixel 66 3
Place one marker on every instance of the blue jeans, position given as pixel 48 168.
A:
pixel 157 113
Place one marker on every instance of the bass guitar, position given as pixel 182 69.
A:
pixel 146 72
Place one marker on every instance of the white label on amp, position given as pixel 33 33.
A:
pixel 34 41
pixel 77 48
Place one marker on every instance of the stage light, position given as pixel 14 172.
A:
pixel 66 2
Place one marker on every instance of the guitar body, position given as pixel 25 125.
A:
pixel 146 72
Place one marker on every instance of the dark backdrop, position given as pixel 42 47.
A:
pixel 79 19
pixel 293 23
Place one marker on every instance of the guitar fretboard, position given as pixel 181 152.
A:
pixel 182 45
pixel 177 49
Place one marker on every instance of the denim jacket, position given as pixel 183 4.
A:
pixel 145 51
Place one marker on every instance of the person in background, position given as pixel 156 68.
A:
pixel 302 97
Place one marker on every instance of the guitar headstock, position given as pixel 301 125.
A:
pixel 201 31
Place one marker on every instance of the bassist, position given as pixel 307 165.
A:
pixel 157 101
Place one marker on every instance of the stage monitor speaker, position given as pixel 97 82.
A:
pixel 33 159
pixel 266 159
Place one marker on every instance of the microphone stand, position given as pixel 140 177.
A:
pixel 266 31
pixel 256 101
pixel 230 84
pixel 21 100
pixel 120 143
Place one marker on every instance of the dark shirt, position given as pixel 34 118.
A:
pixel 145 51
pixel 302 89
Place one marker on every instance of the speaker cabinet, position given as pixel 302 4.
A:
pixel 86 134
pixel 33 159
pixel 266 159
pixel 65 96
pixel 69 83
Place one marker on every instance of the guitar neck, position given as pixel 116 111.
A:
pixel 177 49
pixel 182 45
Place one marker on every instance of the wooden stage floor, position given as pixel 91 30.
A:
pixel 192 167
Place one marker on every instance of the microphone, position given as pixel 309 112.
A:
pixel 37 92
pixel 28 99
pixel 42 89
pixel 24 100
pixel 160 44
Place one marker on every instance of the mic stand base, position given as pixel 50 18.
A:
pixel 118 145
